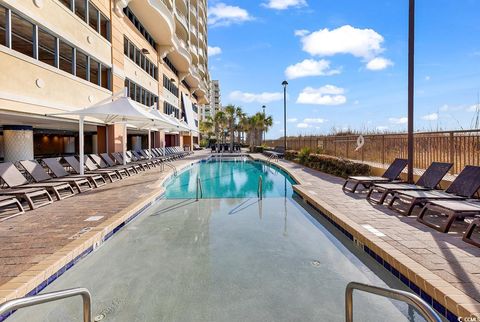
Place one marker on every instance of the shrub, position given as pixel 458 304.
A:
pixel 331 165
pixel 304 155
pixel 257 149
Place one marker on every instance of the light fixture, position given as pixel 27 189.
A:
pixel 145 51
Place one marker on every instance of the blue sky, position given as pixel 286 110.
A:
pixel 346 62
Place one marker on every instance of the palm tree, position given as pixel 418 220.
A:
pixel 206 127
pixel 232 113
pixel 219 121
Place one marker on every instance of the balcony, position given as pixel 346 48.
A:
pixel 180 57
pixel 156 17
pixel 182 19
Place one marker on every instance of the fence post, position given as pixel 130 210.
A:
pixel 452 150
pixel 362 151
pixel 348 146
pixel 335 146
pixel 383 149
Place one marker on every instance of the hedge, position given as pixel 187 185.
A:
pixel 328 164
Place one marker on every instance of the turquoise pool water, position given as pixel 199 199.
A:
pixel 230 179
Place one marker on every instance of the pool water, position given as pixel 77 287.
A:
pixel 225 259
pixel 230 179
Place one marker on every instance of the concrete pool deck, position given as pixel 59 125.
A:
pixel 36 245
pixel 39 243
pixel 441 264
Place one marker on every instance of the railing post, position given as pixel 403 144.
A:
pixel 451 143
pixel 383 149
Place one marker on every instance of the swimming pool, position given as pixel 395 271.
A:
pixel 230 179
pixel 225 259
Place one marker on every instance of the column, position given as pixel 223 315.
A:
pixel 18 143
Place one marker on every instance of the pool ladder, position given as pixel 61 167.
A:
pixel 170 165
pixel 19 303
pixel 260 188
pixel 411 299
pixel 199 191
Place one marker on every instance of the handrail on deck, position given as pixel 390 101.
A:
pixel 260 188
pixel 411 299
pixel 199 189
pixel 23 302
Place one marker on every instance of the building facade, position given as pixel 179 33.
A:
pixel 64 55
pixel 214 98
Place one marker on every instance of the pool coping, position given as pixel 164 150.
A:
pixel 33 280
pixel 430 287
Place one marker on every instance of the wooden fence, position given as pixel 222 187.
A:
pixel 459 147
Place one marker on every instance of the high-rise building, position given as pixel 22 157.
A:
pixel 214 99
pixel 64 55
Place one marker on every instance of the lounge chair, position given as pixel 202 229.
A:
pixel 54 165
pixel 145 163
pixel 278 152
pixel 119 158
pixel 151 155
pixel 391 174
pixel 161 153
pixel 467 236
pixel 14 179
pixel 465 185
pixel 137 156
pixel 36 171
pixel 99 162
pixel 452 209
pixel 111 163
pixel 429 180
pixel 112 176
pixel 8 202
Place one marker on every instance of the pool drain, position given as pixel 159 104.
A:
pixel 315 263
pixel 99 317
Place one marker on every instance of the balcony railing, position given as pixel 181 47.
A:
pixel 182 18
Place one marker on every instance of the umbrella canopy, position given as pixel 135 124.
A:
pixel 121 110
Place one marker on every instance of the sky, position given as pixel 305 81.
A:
pixel 346 62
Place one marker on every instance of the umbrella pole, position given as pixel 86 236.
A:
pixel 150 143
pixel 124 143
pixel 81 145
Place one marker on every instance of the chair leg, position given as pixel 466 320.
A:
pixel 469 232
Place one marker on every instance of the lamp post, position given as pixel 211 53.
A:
pixel 285 83
pixel 411 59
pixel 264 132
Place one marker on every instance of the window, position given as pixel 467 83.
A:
pixel 3 23
pixel 47 45
pixel 104 27
pixel 132 90
pixel 93 17
pixel 94 71
pixel 81 8
pixel 125 46
pixel 139 26
pixel 105 77
pixel 170 65
pixel 169 109
pixel 66 57
pixel 22 35
pixel 132 52
pixel 140 94
pixel 67 3
pixel 138 56
pixel 82 60
pixel 168 84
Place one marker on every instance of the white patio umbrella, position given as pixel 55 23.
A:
pixel 121 110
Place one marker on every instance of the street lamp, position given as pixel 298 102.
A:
pixel 285 83
pixel 264 132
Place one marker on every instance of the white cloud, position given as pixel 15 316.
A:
pixel 310 67
pixel 379 63
pixel 312 120
pixel 265 97
pixel 363 43
pixel 284 4
pixel 303 125
pixel 398 120
pixel 427 78
pixel 225 15
pixel 472 108
pixel 213 51
pixel 301 32
pixel 430 117
pixel 381 128
pixel 326 95
pixel 292 120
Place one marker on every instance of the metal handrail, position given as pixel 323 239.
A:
pixel 260 188
pixel 172 167
pixel 411 299
pixel 16 304
pixel 199 188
